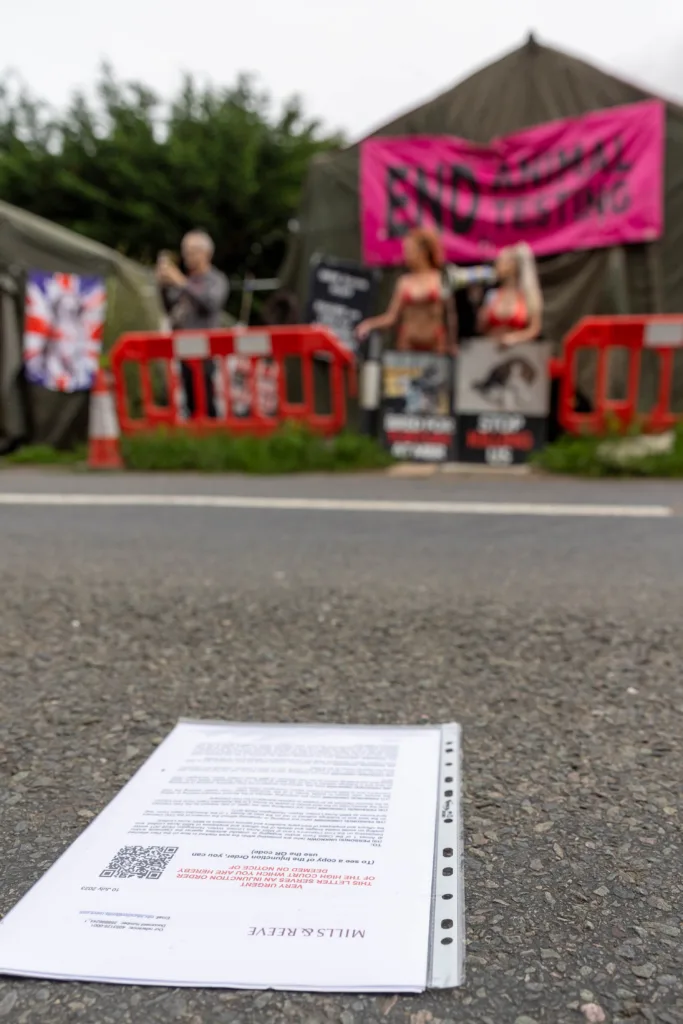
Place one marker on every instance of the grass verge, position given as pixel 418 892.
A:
pixel 591 456
pixel 292 449
pixel 43 455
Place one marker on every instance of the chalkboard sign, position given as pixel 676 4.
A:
pixel 341 294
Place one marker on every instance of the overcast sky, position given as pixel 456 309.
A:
pixel 355 62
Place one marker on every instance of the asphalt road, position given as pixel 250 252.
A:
pixel 555 641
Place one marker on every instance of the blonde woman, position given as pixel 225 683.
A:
pixel 512 312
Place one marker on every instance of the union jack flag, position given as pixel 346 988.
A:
pixel 63 328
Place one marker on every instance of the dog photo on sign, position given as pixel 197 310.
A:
pixel 424 393
pixel 504 385
pixel 488 379
pixel 416 383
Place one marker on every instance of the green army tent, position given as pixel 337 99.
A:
pixel 27 242
pixel 532 85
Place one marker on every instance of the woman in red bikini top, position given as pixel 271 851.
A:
pixel 512 312
pixel 421 308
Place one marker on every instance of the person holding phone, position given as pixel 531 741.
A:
pixel 194 301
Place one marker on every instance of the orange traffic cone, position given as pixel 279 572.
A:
pixel 103 435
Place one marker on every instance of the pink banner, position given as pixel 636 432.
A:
pixel 582 183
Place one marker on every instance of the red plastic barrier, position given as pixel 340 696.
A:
pixel 250 373
pixel 660 334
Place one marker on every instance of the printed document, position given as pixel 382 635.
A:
pixel 264 856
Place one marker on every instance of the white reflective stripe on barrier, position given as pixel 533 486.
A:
pixel 191 346
pixel 663 335
pixel 253 344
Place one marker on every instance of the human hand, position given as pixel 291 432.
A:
pixel 162 269
pixel 168 273
pixel 362 330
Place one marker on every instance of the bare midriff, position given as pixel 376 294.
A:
pixel 422 327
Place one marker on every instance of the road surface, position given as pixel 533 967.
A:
pixel 552 634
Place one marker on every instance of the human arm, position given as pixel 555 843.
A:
pixel 208 293
pixel 169 297
pixel 167 275
pixel 483 317
pixel 451 316
pixel 385 320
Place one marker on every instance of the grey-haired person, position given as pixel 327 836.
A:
pixel 194 301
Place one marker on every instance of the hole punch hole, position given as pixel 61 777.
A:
pixel 448 852
pixel 448 821
pixel 447 872
pixel 448 792
pixel 449 778
pixel 447 896
pixel 447 923
pixel 447 941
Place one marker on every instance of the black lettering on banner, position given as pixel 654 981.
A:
pixel 526 172
pixel 599 160
pixel 580 204
pixel 461 175
pixel 594 201
pixel 542 213
pixel 570 161
pixel 519 218
pixel 623 166
pixel 532 171
pixel 503 180
pixel 621 200
pixel 397 201
pixel 548 167
pixel 562 203
pixel 426 199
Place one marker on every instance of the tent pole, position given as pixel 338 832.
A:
pixel 654 263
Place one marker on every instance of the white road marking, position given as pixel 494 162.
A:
pixel 447 508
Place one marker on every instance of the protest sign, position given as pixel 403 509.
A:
pixel 341 294
pixel 417 419
pixel 582 183
pixel 502 401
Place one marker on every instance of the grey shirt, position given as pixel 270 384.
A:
pixel 198 305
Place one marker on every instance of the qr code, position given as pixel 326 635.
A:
pixel 140 862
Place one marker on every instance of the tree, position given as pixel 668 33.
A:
pixel 135 173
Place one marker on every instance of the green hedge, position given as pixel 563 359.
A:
pixel 593 457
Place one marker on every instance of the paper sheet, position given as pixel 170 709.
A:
pixel 293 857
